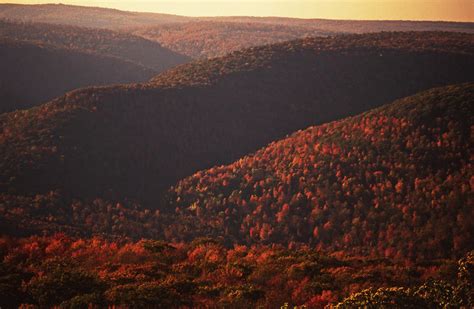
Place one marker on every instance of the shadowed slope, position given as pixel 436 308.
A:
pixel 126 46
pixel 31 74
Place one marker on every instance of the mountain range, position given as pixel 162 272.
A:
pixel 210 112
pixel 154 160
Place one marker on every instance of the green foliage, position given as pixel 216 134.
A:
pixel 143 295
pixel 242 296
pixel 157 246
pixel 438 294
pixel 83 301
pixel 64 285
pixel 465 287
pixel 431 294
pixel 10 286
pixel 384 298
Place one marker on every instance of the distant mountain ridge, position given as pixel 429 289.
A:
pixel 207 39
pixel 84 16
pixel 206 72
pixel 357 26
pixel 115 19
pixel 105 42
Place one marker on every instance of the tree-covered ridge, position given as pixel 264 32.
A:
pixel 207 39
pixel 77 272
pixel 91 142
pixel 106 42
pixel 264 57
pixel 395 182
pixel 32 73
pixel 352 26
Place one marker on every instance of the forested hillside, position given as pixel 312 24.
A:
pixel 135 141
pixel 105 42
pixel 31 73
pixel 395 182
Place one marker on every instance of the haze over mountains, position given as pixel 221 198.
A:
pixel 207 39
pixel 203 37
pixel 42 61
pixel 104 42
pixel 116 19
pixel 292 162
pixel 84 16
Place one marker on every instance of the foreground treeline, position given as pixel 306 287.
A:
pixel 75 273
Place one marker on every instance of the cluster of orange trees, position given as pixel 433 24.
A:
pixel 75 272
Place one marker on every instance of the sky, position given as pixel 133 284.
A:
pixel 449 10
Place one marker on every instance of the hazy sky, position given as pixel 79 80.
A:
pixel 455 10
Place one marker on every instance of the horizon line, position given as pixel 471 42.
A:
pixel 239 15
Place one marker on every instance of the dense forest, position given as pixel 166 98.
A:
pixel 207 39
pixel 105 42
pixel 209 112
pixel 31 73
pixel 79 273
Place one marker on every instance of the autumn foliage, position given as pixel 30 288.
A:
pixel 75 272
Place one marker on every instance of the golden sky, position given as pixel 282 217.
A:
pixel 452 10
